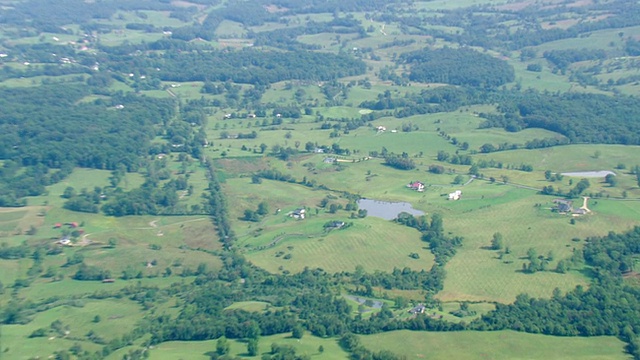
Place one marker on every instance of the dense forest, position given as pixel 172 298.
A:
pixel 44 128
pixel 582 118
pixel 451 66
pixel 246 66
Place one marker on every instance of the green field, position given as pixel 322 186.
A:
pixel 374 244
pixel 198 349
pixel 494 345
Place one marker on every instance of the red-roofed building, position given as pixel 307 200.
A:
pixel 417 186
pixel 57 226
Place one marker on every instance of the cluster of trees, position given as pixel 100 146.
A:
pixel 561 59
pixel 45 128
pixel 248 66
pixel 402 162
pixel 461 66
pixel 216 205
pixel 255 215
pixel 591 118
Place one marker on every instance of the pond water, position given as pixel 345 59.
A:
pixel 589 174
pixel 386 210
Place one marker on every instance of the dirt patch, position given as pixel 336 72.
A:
pixel 180 3
pixel 580 3
pixel 235 43
pixel 241 166
pixel 199 235
pixel 275 9
pixel 516 6
pixel 589 174
pixel 560 24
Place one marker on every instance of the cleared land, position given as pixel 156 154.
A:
pixel 495 345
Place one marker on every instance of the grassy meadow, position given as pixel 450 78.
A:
pixel 308 345
pixel 494 345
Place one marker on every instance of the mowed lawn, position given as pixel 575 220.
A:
pixel 477 273
pixel 372 243
pixel 497 345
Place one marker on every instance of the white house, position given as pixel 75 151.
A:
pixel 456 195
pixel 298 213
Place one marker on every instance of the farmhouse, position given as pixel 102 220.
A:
pixel 416 185
pixel 566 207
pixel 563 206
pixel 298 213
pixel 381 128
pixel 456 195
pixel 64 242
pixel 417 309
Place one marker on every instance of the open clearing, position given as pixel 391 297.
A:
pixel 495 345
pixel 373 243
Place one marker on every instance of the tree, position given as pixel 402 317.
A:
pixel 252 347
pixel 69 192
pixel 263 148
pixel 113 242
pixel 459 179
pixel 611 180
pixel 263 208
pixel 320 349
pixel 222 346
pixel 496 242
pixel 250 215
pixel 297 332
pixel 309 146
pixel 333 208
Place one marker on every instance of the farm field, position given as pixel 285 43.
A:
pixel 308 345
pixel 374 244
pixel 495 345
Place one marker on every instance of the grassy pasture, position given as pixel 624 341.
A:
pixel 494 345
pixel 544 80
pixel 571 158
pixel 477 274
pixel 38 80
pixel 15 221
pixel 44 289
pixel 253 306
pixel 116 316
pixel 599 39
pixel 15 339
pixel 373 243
pixel 230 29
pixel 198 349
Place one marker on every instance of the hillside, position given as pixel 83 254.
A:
pixel 311 179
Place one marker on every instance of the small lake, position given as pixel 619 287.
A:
pixel 387 210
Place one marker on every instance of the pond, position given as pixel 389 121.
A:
pixel 386 210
